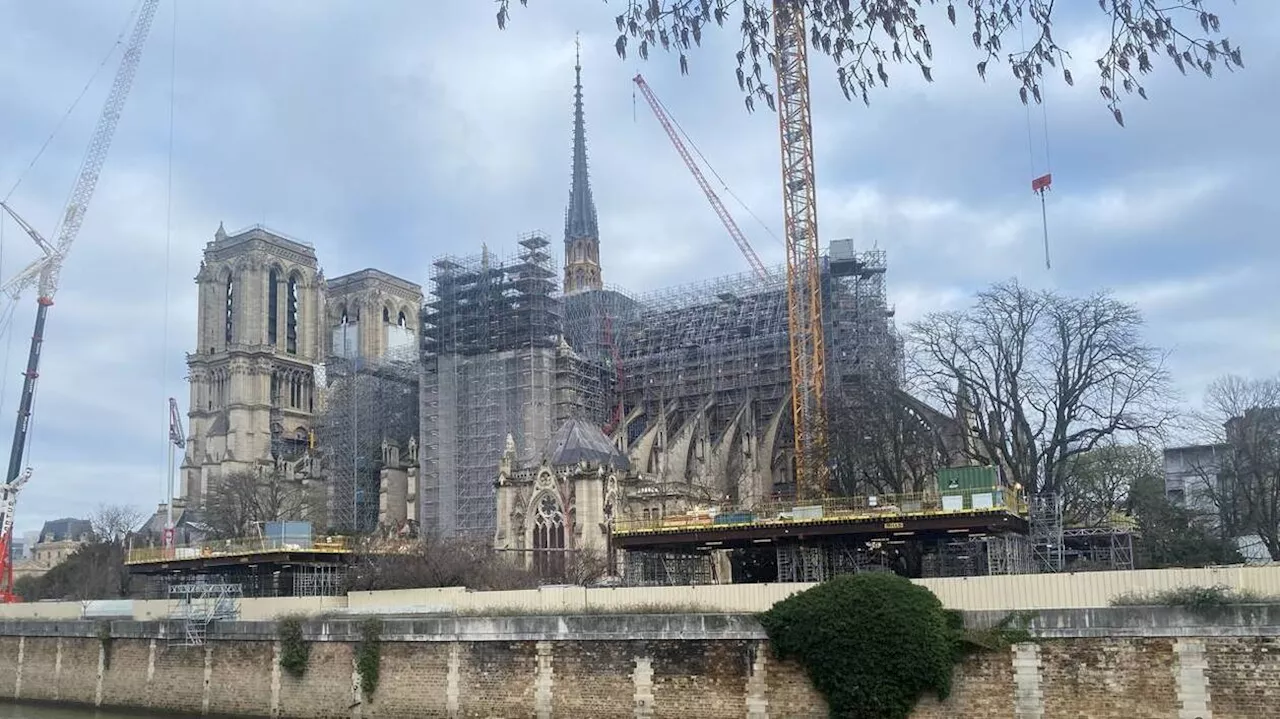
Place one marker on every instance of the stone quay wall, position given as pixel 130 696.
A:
pixel 1128 663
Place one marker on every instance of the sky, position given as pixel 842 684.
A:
pixel 388 133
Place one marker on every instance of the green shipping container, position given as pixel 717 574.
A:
pixel 964 480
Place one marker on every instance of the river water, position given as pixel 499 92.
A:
pixel 14 711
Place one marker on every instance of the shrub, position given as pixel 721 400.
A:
pixel 1194 599
pixel 872 644
pixel 295 652
pixel 369 655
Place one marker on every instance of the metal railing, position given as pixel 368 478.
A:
pixel 911 505
pixel 237 547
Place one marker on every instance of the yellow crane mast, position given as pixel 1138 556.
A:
pixel 804 279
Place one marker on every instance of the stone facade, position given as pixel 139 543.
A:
pixel 708 666
pixel 267 323
pixel 565 502
pixel 259 341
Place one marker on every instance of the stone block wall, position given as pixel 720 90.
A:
pixel 1104 664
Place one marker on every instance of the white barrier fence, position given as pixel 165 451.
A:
pixel 1009 592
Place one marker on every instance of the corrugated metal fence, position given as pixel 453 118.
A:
pixel 1014 592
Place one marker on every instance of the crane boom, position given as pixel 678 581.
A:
pixel 734 231
pixel 45 271
pixel 804 281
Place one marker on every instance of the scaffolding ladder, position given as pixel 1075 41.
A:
pixel 196 606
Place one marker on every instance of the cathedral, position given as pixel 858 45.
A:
pixel 269 323
pixel 514 401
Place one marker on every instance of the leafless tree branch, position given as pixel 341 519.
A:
pixel 1046 377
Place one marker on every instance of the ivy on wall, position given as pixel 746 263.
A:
pixel 295 652
pixel 369 655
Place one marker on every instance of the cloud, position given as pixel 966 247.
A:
pixel 387 134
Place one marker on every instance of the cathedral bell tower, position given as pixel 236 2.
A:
pixel 581 232
pixel 252 373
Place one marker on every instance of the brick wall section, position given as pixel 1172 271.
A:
pixel 603 673
pixel 78 678
pixel 1244 673
pixel 982 686
pixel 8 666
pixel 497 679
pixel 242 672
pixel 414 680
pixel 124 683
pixel 178 682
pixel 685 673
pixel 1117 678
pixel 38 668
pixel 535 667
pixel 324 691
pixel 789 692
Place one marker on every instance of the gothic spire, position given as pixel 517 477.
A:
pixel 580 216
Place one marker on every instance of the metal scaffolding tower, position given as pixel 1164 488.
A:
pixel 197 605
pixel 1047 548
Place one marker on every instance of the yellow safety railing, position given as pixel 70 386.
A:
pixel 236 547
pixel 917 504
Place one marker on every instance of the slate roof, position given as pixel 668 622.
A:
pixel 578 440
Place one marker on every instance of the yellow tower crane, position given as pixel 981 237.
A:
pixel 804 278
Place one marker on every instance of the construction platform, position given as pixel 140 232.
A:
pixel 258 567
pixel 884 518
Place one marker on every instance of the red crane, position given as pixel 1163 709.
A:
pixel 716 204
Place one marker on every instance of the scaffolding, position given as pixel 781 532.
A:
pixel 1047 546
pixel 490 339
pixel 366 403
pixel 666 569
pixel 196 605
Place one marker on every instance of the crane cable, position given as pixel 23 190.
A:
pixel 1041 183
pixel 168 248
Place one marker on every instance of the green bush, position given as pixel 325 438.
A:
pixel 1200 600
pixel 872 644
pixel 295 651
pixel 369 655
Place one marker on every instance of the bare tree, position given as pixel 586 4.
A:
pixel 864 38
pixel 114 523
pixel 1243 417
pixel 241 501
pixel 1047 377
pixel 435 563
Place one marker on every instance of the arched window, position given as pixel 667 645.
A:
pixel 342 318
pixel 273 306
pixel 402 320
pixel 291 322
pixel 230 308
pixel 386 314
pixel 548 537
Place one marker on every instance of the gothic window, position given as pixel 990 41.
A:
pixel 548 537
pixel 386 314
pixel 273 303
pixel 231 306
pixel 343 318
pixel 291 329
pixel 402 321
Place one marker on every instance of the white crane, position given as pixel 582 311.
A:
pixel 177 440
pixel 45 270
